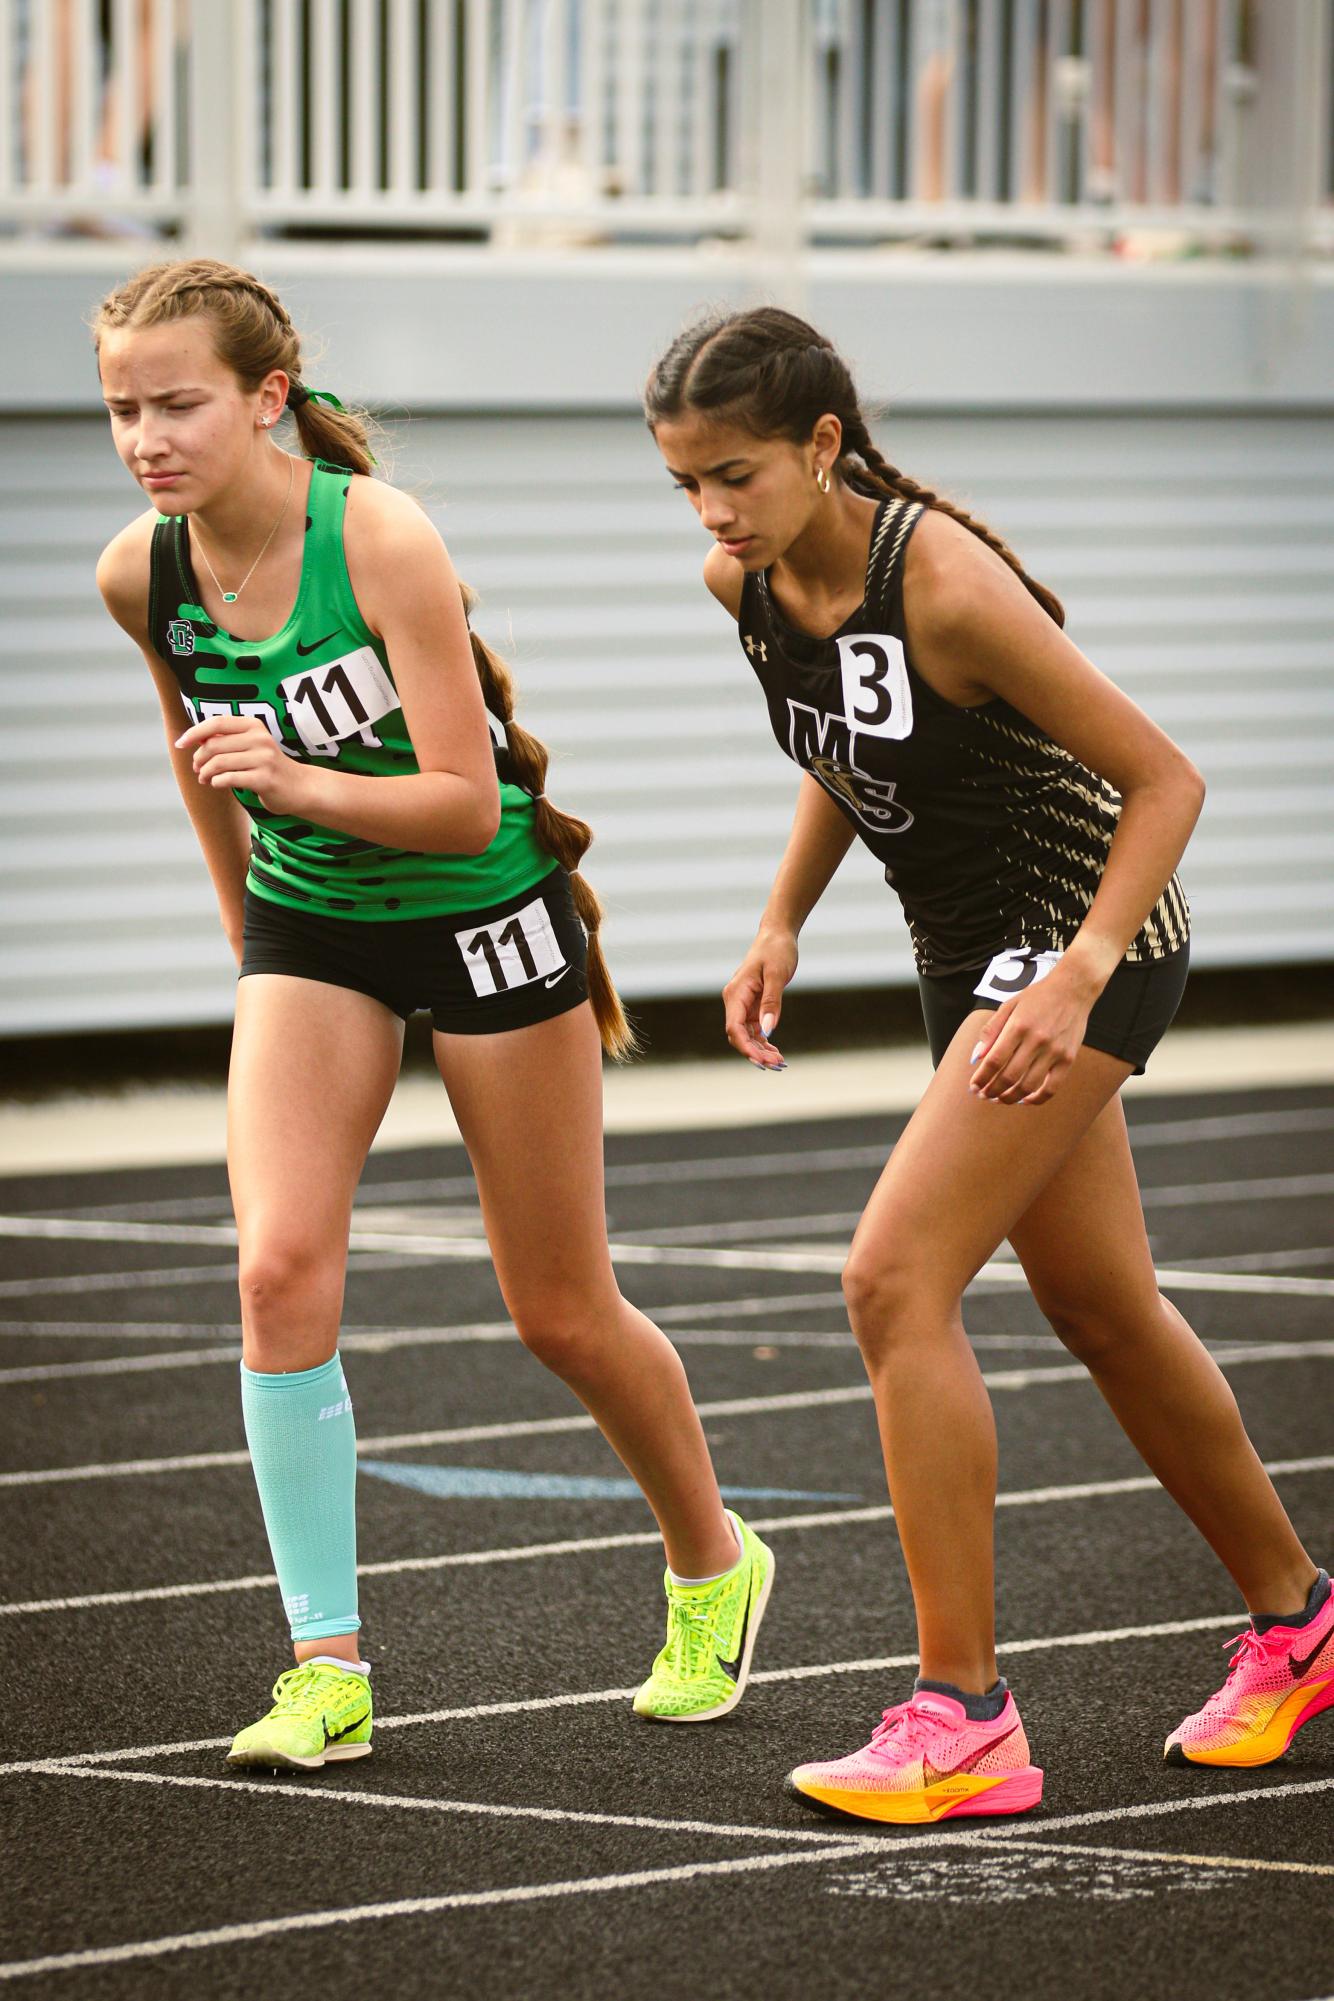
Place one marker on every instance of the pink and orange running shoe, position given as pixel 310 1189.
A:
pixel 1276 1681
pixel 927 1761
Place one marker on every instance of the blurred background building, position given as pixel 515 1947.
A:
pixel 1081 252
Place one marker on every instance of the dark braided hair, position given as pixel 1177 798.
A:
pixel 254 335
pixel 774 375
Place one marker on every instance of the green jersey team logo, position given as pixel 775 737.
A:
pixel 181 636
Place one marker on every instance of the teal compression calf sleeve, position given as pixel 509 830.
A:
pixel 303 1446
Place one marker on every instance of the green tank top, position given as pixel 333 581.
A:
pixel 324 687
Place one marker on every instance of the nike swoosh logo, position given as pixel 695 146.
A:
pixel 317 644
pixel 1300 1667
pixel 732 1668
pixel 554 979
pixel 950 1771
pixel 336 1736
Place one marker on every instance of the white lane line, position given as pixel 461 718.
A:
pixel 133 1281
pixel 486 1810
pixel 1187 1278
pixel 1288 1187
pixel 473 1433
pixel 746 1167
pixel 1242 1862
pixel 453 1435
pixel 1027 1497
pixel 585 1698
pixel 1191 1803
pixel 786 1228
pixel 721 1831
pixel 404 1251
pixel 1276 1188
pixel 538 1892
pixel 119 1330
pixel 500 1332
pixel 409 1441
pixel 830 1300
pixel 121 1365
pixel 404 1907
pixel 1265 1261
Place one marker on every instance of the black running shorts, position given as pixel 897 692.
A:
pixel 1128 1019
pixel 479 972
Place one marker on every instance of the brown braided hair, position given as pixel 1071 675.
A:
pixel 775 376
pixel 253 335
pixel 561 834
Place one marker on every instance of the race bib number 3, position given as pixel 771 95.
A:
pixel 877 697
pixel 340 699
pixel 1010 972
pixel 512 952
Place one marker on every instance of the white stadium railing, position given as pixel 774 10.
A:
pixel 826 120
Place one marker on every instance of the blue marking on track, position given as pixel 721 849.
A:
pixel 484 1483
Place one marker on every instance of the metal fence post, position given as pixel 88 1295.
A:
pixel 221 93
pixel 775 51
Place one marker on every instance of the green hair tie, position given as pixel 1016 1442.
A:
pixel 298 394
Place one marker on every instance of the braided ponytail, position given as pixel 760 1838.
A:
pixel 563 836
pixel 253 336
pixel 770 372
pixel 878 472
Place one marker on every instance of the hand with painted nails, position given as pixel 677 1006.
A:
pixel 1030 1042
pixel 753 997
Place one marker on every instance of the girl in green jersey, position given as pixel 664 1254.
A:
pixel 327 710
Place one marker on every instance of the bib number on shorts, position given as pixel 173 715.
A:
pixel 512 952
pixel 1011 972
pixel 877 697
pixel 340 699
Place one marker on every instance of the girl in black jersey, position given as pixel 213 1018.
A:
pixel 1030 818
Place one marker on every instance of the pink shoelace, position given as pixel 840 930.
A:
pixel 1253 1649
pixel 909 1727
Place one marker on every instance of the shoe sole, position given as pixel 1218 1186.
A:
pixel 1266 1748
pixel 282 1761
pixel 1019 1792
pixel 757 1611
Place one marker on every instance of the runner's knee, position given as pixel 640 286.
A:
pixel 886 1296
pixel 1094 1325
pixel 286 1281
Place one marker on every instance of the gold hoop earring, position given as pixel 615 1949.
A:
pixel 822 479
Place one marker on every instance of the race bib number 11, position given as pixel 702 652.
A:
pixel 339 699
pixel 513 952
pixel 1010 972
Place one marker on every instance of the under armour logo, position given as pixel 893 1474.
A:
pixel 750 648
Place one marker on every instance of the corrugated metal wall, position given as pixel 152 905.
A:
pixel 1193 555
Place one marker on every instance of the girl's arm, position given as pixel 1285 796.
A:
pixel 977 632
pixel 221 826
pixel 753 997
pixel 408 594
pixel 820 838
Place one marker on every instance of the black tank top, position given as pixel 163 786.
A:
pixel 993 836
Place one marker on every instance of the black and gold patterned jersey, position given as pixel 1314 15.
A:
pixel 992 835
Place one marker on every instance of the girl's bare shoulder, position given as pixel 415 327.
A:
pixel 122 574
pixel 724 577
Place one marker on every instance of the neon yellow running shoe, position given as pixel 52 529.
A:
pixel 320 1712
pixel 701 1672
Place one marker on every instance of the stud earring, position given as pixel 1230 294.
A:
pixel 822 479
